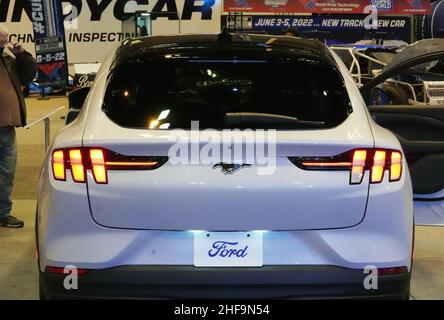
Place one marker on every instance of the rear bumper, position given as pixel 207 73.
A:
pixel 188 282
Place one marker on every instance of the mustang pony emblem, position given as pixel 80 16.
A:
pixel 230 168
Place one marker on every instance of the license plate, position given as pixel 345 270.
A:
pixel 228 249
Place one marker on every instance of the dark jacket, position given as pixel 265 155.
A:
pixel 22 70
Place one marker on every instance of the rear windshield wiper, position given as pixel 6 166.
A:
pixel 239 118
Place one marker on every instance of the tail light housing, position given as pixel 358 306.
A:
pixel 358 161
pixel 99 161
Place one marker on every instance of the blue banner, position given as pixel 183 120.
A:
pixel 49 32
pixel 331 29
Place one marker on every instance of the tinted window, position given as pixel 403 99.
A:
pixel 280 92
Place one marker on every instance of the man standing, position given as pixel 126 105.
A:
pixel 16 70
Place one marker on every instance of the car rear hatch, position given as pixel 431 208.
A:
pixel 294 101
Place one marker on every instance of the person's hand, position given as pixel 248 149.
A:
pixel 3 39
pixel 17 49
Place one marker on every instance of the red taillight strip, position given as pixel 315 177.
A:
pixel 131 164
pixel 99 161
pixel 61 270
pixel 392 271
pixel 327 164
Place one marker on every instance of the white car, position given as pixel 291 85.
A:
pixel 325 211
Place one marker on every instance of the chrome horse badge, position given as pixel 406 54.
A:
pixel 230 168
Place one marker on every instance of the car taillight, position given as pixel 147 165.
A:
pixel 58 165
pixel 98 166
pixel 377 161
pixel 392 271
pixel 358 166
pixel 378 167
pixel 99 161
pixel 395 166
pixel 77 166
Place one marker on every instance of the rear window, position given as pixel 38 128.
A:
pixel 225 92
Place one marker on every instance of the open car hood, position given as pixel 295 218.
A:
pixel 420 52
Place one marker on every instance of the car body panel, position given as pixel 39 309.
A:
pixel 211 194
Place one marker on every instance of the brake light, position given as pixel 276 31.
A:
pixel 58 165
pixel 377 161
pixel 395 166
pixel 99 161
pixel 77 168
pixel 358 166
pixel 98 166
pixel 378 168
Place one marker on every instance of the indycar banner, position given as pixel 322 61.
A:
pixel 329 6
pixel 49 33
pixel 94 27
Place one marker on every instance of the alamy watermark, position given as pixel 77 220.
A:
pixel 371 280
pixel 71 281
pixel 244 148
pixel 371 21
